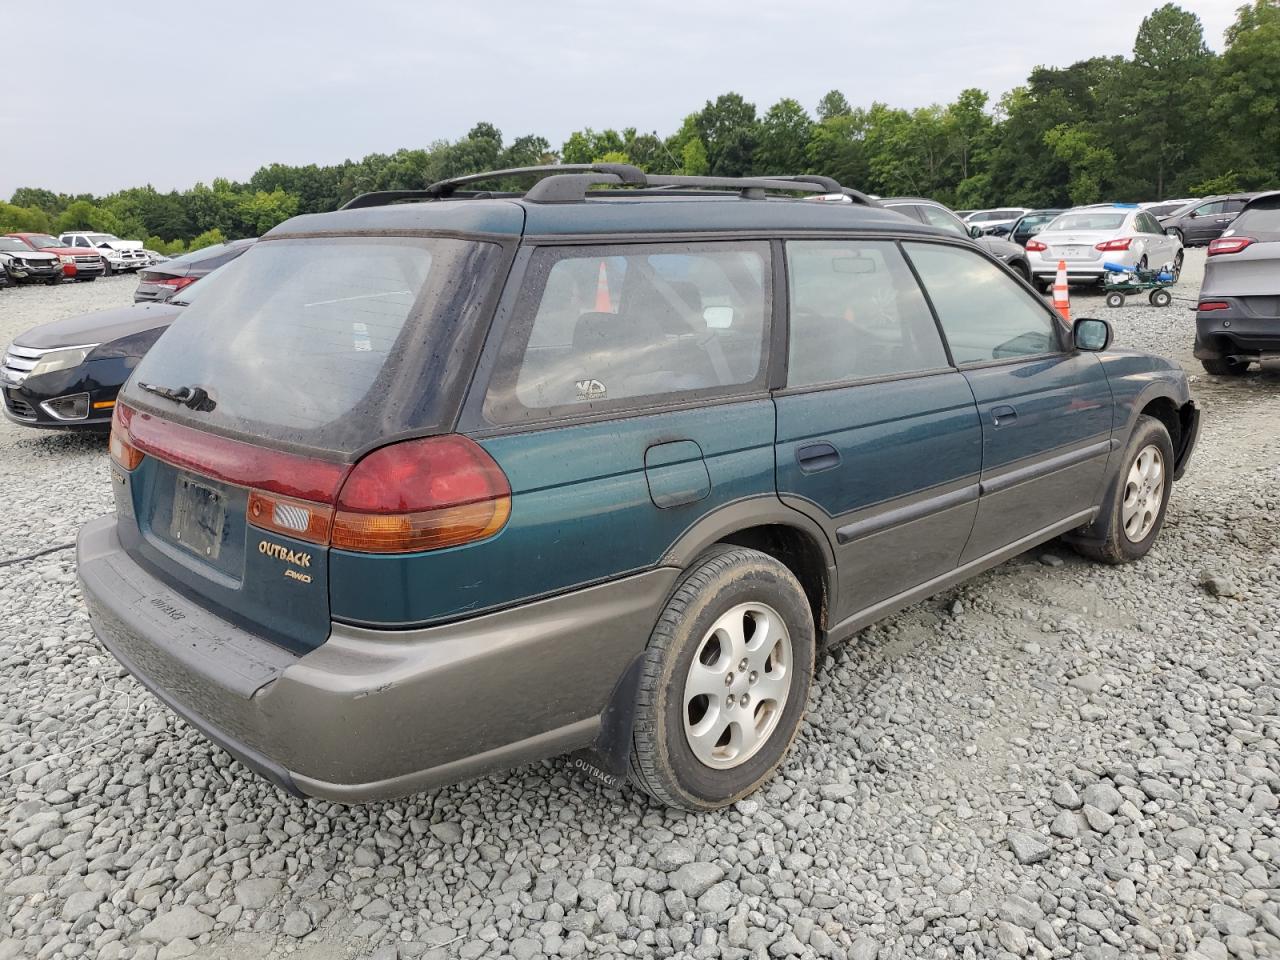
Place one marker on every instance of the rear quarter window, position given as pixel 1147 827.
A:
pixel 627 326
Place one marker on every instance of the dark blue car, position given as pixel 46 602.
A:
pixel 418 491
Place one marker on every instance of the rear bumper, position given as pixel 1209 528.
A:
pixel 376 714
pixel 1236 331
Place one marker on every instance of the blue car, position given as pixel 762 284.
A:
pixel 456 479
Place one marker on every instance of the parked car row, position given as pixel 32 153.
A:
pixel 26 257
pixel 66 374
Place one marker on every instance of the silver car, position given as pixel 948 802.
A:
pixel 1087 239
pixel 1238 310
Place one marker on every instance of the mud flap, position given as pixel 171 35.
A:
pixel 606 761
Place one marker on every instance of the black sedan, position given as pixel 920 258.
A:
pixel 1029 224
pixel 162 281
pixel 66 374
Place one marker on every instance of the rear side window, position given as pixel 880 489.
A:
pixel 327 344
pixel 626 326
pixel 856 312
pixel 940 218
pixel 984 312
pixel 1259 219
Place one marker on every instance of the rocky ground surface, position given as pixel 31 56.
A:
pixel 1056 760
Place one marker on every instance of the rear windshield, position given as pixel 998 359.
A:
pixel 1089 221
pixel 1258 219
pixel 1034 221
pixel 327 345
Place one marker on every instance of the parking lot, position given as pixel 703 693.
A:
pixel 1058 759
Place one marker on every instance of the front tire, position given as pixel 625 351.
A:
pixel 1225 367
pixel 1115 299
pixel 107 269
pixel 724 681
pixel 1160 298
pixel 1135 508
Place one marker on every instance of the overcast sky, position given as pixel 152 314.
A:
pixel 103 96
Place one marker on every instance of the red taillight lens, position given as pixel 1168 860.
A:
pixel 122 451
pixel 1120 244
pixel 1208 306
pixel 421 495
pixel 1228 245
pixel 1036 246
pixel 175 283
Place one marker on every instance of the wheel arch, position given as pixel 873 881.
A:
pixel 768 525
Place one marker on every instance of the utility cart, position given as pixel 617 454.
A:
pixel 1120 281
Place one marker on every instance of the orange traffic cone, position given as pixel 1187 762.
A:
pixel 1061 297
pixel 604 303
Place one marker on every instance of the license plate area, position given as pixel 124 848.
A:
pixel 199 517
pixel 1073 253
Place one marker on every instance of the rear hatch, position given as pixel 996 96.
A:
pixel 1244 263
pixel 248 414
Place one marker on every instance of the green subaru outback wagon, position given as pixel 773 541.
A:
pixel 455 479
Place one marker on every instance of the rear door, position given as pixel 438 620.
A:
pixel 878 435
pixel 1046 411
pixel 1205 225
pixel 626 398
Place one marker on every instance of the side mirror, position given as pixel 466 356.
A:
pixel 1192 215
pixel 975 231
pixel 1170 232
pixel 718 318
pixel 1091 335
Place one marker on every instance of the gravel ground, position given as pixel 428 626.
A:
pixel 1056 760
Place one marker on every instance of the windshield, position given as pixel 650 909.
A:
pixel 40 241
pixel 102 237
pixel 1088 221
pixel 13 244
pixel 1034 222
pixel 326 344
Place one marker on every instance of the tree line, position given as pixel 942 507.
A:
pixel 1173 119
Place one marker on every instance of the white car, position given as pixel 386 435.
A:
pixel 1089 238
pixel 119 255
pixel 996 222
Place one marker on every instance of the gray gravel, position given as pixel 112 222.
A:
pixel 1055 760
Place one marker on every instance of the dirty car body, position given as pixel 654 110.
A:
pixel 590 390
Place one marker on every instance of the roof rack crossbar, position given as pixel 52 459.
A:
pixel 570 182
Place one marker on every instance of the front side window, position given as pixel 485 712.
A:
pixel 984 312
pixel 856 312
pixel 1209 209
pixel 630 325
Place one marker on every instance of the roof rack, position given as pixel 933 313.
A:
pixel 571 182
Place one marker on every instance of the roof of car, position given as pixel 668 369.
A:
pixel 602 199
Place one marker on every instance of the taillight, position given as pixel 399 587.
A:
pixel 1228 245
pixel 1208 306
pixel 122 451
pixel 410 496
pixel 421 495
pixel 1035 246
pixel 1121 244
pixel 175 283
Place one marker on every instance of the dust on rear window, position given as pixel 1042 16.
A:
pixel 320 343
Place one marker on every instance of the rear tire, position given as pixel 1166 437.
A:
pixel 1225 367
pixel 1135 509
pixel 734 606
pixel 1177 266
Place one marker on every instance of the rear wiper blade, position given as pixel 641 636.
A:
pixel 197 398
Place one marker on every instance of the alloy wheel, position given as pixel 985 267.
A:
pixel 737 685
pixel 1143 494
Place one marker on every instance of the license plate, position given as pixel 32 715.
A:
pixel 1073 253
pixel 199 512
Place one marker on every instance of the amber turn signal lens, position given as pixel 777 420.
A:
pixel 422 530
pixel 293 518
pixel 122 451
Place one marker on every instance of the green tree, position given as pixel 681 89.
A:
pixel 693 159
pixel 16 219
pixel 783 135
pixel 833 104
pixel 727 128
pixel 1089 162
pixel 1245 114
pixel 206 239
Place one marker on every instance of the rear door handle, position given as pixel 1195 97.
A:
pixel 817 456
pixel 1003 415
